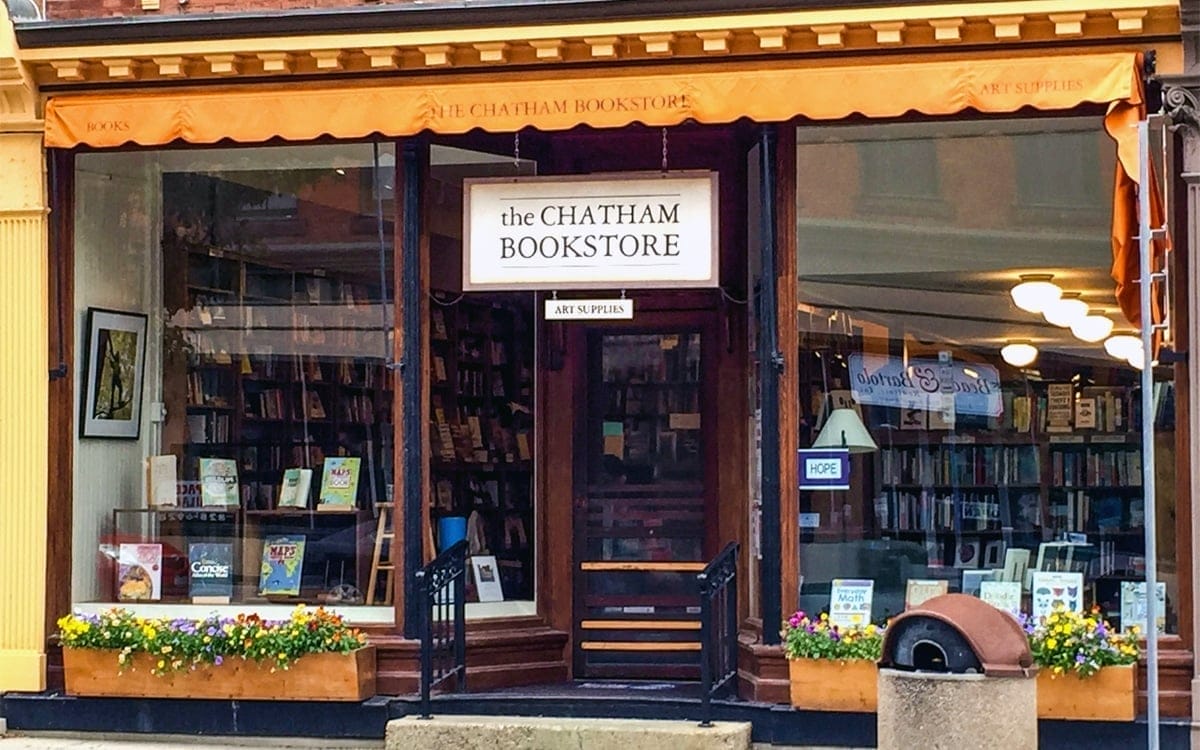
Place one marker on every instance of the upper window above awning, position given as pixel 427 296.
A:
pixel 664 96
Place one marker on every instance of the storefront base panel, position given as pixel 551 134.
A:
pixel 22 670
pixel 762 672
pixel 1174 683
pixel 771 723
pixel 499 658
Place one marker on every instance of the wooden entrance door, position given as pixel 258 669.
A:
pixel 642 500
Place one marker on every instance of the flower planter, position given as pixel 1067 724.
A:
pixel 829 685
pixel 1108 695
pixel 316 677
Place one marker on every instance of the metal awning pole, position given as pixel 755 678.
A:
pixel 1146 285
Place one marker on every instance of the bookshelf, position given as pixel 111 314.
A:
pixel 481 427
pixel 275 366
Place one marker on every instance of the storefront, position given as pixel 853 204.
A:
pixel 579 294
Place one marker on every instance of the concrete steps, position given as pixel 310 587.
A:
pixel 547 733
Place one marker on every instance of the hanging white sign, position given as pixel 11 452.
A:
pixel 926 385
pixel 589 309
pixel 585 232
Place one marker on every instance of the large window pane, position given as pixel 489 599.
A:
pixel 968 462
pixel 263 466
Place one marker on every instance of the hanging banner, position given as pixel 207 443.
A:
pixel 926 384
pixel 623 231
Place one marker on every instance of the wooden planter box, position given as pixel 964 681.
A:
pixel 1107 695
pixel 827 685
pixel 315 677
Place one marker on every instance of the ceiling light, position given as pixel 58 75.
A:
pixel 1122 345
pixel 1092 327
pixel 1136 359
pixel 1019 353
pixel 1066 311
pixel 1035 292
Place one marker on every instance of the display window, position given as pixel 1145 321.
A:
pixel 237 393
pixel 960 341
pixel 482 349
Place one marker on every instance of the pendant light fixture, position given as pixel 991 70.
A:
pixel 1036 292
pixel 1019 353
pixel 1066 311
pixel 1093 327
pixel 1122 345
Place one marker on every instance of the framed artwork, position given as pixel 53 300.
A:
pixel 487 578
pixel 113 370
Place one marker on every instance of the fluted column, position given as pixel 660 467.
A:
pixel 23 412
pixel 23 376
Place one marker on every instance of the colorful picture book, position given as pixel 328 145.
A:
pixel 210 572
pixel 1053 589
pixel 282 564
pixel 294 490
pixel 139 572
pixel 850 602
pixel 219 481
pixel 339 483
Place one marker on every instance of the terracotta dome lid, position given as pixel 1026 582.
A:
pixel 997 638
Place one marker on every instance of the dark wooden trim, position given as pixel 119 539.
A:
pixel 789 381
pixel 60 311
pixel 528 653
pixel 410 432
pixel 762 669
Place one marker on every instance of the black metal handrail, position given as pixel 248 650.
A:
pixel 718 629
pixel 442 591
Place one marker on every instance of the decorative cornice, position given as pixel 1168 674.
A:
pixel 18 92
pixel 1181 103
pixel 915 28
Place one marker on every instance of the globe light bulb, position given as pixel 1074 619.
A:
pixel 1137 359
pixel 1122 345
pixel 1092 327
pixel 1035 293
pixel 1066 311
pixel 1019 353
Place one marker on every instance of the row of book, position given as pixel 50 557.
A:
pixel 209 388
pixel 218 484
pixel 942 511
pixel 1082 511
pixel 961 465
pixel 210 569
pixel 210 427
pixel 1094 467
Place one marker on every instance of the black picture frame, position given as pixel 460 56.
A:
pixel 113 376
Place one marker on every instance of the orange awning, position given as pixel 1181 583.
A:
pixel 609 98
pixel 601 98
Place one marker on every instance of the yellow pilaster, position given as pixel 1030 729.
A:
pixel 23 375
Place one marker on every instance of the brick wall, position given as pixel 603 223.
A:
pixel 59 10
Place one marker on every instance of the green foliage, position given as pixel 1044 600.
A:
pixel 182 644
pixel 809 638
pixel 1066 641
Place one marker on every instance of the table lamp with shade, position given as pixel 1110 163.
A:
pixel 845 429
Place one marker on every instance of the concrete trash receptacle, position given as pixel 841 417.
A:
pixel 956 673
